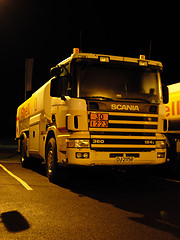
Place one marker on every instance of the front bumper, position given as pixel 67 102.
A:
pixel 88 157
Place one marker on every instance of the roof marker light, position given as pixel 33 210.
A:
pixel 103 59
pixel 143 61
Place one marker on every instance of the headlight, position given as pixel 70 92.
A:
pixel 160 144
pixel 78 143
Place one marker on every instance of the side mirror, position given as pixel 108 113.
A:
pixel 56 87
pixel 165 94
pixel 55 71
pixel 59 87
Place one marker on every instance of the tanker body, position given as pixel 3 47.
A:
pixel 32 117
pixel 173 109
pixel 173 134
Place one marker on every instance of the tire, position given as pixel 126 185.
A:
pixel 51 160
pixel 23 154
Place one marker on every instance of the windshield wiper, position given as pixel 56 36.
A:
pixel 135 99
pixel 142 100
pixel 100 98
pixel 123 99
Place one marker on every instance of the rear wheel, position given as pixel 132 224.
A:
pixel 51 160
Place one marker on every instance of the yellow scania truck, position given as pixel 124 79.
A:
pixel 96 110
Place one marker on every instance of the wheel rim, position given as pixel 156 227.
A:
pixel 50 161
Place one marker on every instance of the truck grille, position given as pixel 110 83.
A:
pixel 124 132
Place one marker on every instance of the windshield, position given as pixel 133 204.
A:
pixel 117 82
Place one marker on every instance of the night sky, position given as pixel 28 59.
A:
pixel 48 31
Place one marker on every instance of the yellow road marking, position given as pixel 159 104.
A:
pixel 17 178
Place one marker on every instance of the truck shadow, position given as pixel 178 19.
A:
pixel 14 221
pixel 156 200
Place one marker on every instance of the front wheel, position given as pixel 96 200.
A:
pixel 51 160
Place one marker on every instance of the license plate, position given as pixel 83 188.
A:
pixel 124 159
pixel 99 120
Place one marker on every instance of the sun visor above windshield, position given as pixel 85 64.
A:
pixel 85 56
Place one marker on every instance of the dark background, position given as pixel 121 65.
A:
pixel 48 31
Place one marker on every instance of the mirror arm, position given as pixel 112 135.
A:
pixel 63 66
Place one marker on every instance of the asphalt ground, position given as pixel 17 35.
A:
pixel 86 204
pixel 8 150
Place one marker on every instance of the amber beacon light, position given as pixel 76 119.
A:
pixel 75 50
